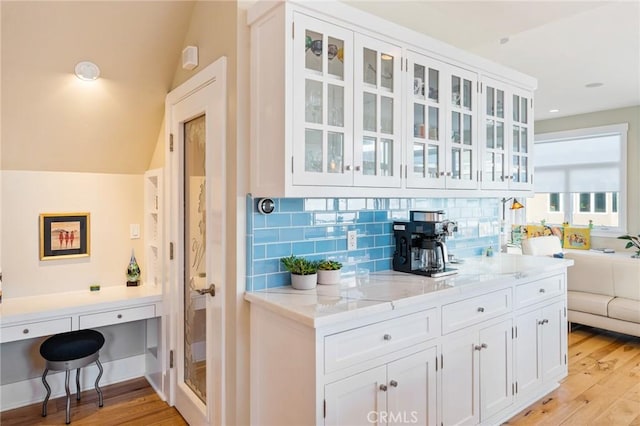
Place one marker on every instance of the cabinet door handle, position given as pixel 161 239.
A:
pixel 119 316
pixel 25 331
pixel 387 337
pixel 477 347
pixel 358 168
pixel 484 346
pixel 383 387
pixel 545 321
pixel 347 167
pixel 480 309
pixel 542 290
pixel 393 384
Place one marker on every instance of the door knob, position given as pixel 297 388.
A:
pixel 383 387
pixel 393 384
pixel 211 290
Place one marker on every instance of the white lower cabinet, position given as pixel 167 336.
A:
pixel 540 345
pixel 476 366
pixel 400 392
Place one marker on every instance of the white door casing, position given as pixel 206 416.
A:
pixel 202 95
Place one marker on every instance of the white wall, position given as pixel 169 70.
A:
pixel 114 201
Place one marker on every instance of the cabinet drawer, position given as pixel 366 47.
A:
pixel 529 293
pixel 35 329
pixel 471 311
pixel 117 316
pixel 370 341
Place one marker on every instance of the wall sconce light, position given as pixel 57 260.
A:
pixel 515 205
pixel 87 71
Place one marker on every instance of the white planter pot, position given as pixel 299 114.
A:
pixel 329 277
pixel 304 282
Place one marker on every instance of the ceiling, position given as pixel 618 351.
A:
pixel 113 126
pixel 564 44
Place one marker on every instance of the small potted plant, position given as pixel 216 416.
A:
pixel 329 272
pixel 632 242
pixel 304 273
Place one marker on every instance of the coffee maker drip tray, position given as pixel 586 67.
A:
pixel 444 273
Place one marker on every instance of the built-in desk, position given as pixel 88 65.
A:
pixel 25 318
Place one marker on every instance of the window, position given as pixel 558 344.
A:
pixel 554 202
pixel 580 178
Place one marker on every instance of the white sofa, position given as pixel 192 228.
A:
pixel 604 290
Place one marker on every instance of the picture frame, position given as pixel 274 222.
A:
pixel 64 235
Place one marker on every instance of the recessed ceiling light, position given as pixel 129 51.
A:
pixel 504 40
pixel 554 110
pixel 592 85
pixel 87 71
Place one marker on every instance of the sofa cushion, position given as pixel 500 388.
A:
pixel 626 276
pixel 588 302
pixel 590 273
pixel 625 309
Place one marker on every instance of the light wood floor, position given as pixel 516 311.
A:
pixel 602 388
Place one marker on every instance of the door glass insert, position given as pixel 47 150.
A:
pixel 368 156
pixel 386 115
pixel 313 51
pixel 335 152
pixel 490 101
pixel 455 163
pixel 516 108
pixel 386 157
pixel 434 130
pixel 466 95
pixel 500 103
pixel 499 135
pixel 434 84
pixel 335 57
pixel 418 121
pixel 418 80
pixel 456 93
pixel 523 110
pixel 369 107
pixel 419 159
pixel 523 139
pixel 195 324
pixel 432 161
pixel 516 139
pixel 467 129
pixel 455 127
pixel 335 100
pixel 490 132
pixel 466 164
pixel 524 169
pixel 313 101
pixel 313 151
pixel 370 74
pixel 386 71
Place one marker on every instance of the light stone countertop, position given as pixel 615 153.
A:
pixel 388 290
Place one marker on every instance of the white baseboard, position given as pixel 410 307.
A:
pixel 14 395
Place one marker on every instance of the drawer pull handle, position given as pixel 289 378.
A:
pixel 383 387
pixel 480 309
pixel 484 346
pixel 119 316
pixel 393 384
pixel 542 290
pixel 387 337
pixel 477 347
pixel 25 331
pixel 480 347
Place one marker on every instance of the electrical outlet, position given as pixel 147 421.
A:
pixel 352 240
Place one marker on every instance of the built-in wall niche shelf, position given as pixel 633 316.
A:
pixel 153 226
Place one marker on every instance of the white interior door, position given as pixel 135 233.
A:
pixel 196 161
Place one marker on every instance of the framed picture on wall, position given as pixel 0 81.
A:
pixel 64 235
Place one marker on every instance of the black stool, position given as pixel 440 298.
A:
pixel 66 351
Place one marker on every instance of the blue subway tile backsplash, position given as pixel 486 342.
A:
pixel 317 228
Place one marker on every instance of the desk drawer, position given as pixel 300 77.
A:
pixel 117 316
pixel 529 293
pixel 35 329
pixel 471 311
pixel 370 341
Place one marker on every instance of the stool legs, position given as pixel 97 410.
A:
pixel 100 402
pixel 78 384
pixel 48 388
pixel 66 388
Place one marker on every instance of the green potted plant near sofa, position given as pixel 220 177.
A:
pixel 304 273
pixel 329 272
pixel 632 242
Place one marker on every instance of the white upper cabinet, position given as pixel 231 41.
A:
pixel 378 93
pixel 323 103
pixel 336 106
pixel 507 115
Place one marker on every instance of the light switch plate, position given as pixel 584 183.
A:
pixel 134 231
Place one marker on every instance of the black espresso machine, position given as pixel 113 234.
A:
pixel 420 244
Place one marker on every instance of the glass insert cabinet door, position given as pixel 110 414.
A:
pixel 377 88
pixel 494 167
pixel 425 155
pixel 462 138
pixel 323 103
pixel 521 142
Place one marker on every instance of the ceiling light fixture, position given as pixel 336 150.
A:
pixel 87 71
pixel 554 110
pixel 592 85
